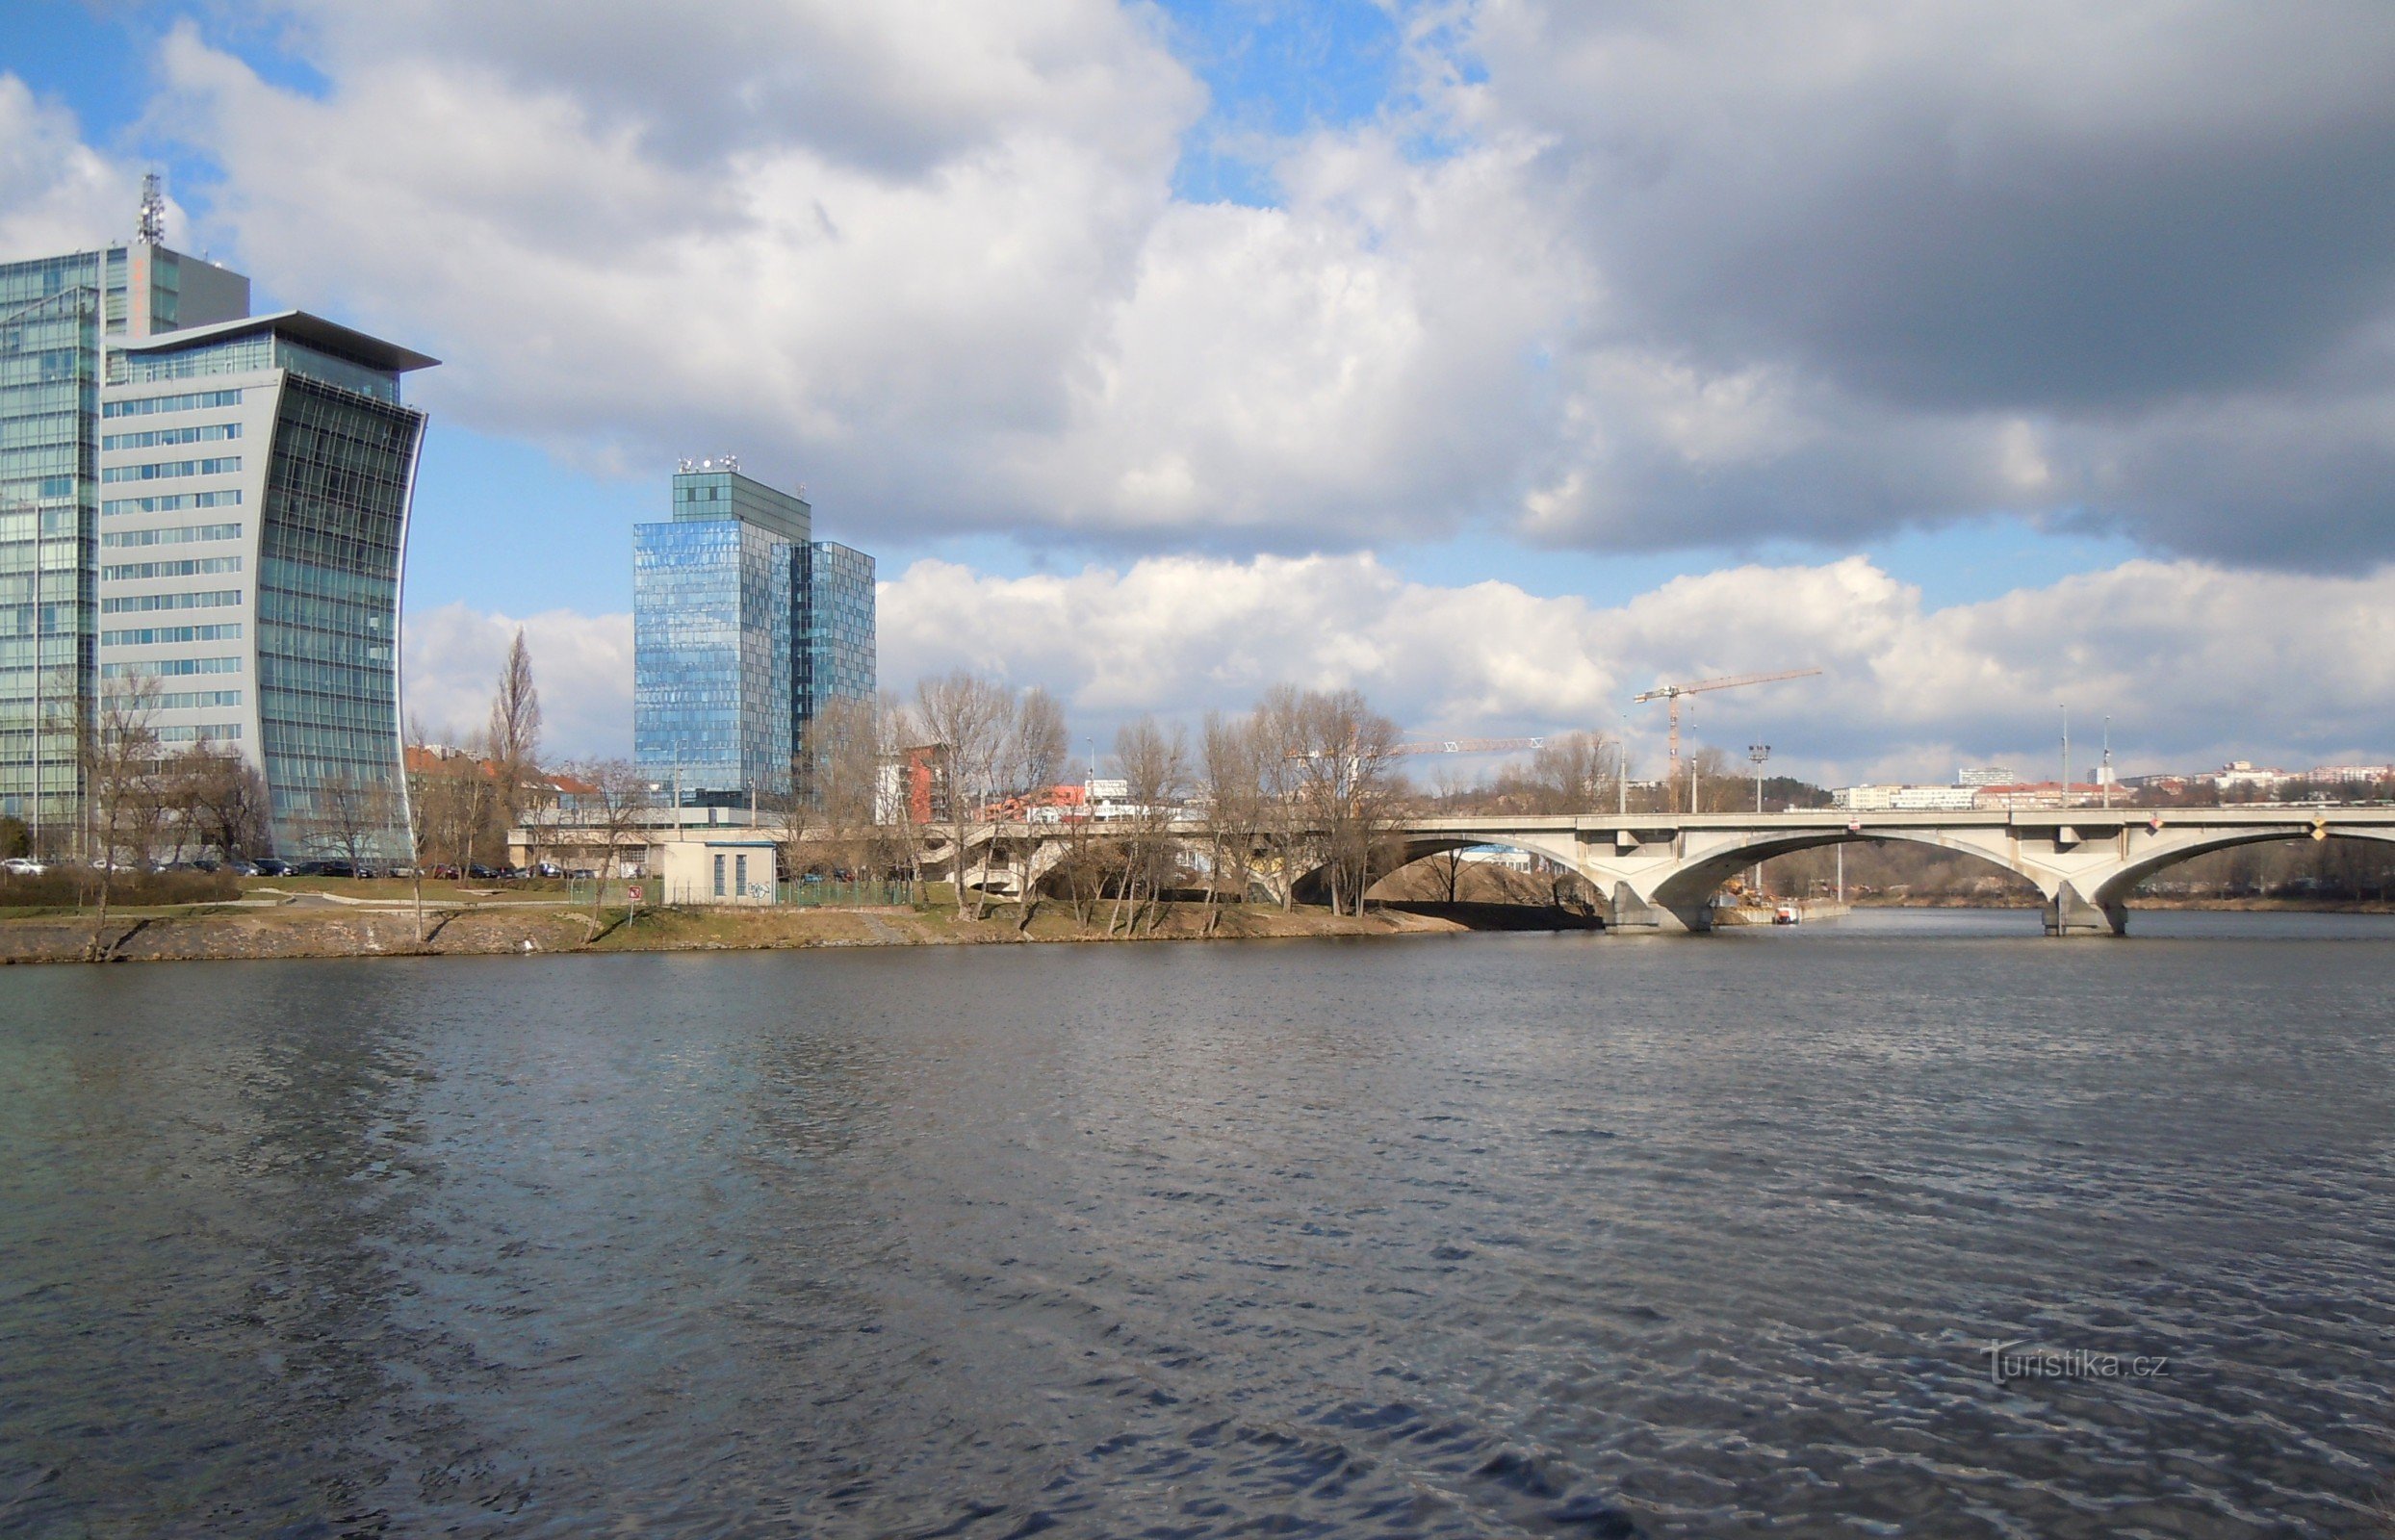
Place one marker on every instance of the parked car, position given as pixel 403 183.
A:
pixel 548 869
pixel 482 874
pixel 22 867
pixel 324 868
pixel 268 866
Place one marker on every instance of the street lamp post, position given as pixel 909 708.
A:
pixel 1625 765
pixel 1758 753
pixel 2062 792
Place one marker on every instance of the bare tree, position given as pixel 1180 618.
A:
pixel 1033 754
pixel 967 717
pixel 220 801
pixel 845 747
pixel 614 807
pixel 119 750
pixel 790 816
pixel 1232 783
pixel 454 797
pixel 897 831
pixel 1154 767
pixel 1344 757
pixel 355 815
pixel 426 822
pixel 515 729
pixel 1574 773
pixel 1279 748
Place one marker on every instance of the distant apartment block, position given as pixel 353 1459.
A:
pixel 1904 798
pixel 745 628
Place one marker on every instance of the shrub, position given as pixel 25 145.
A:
pixel 65 886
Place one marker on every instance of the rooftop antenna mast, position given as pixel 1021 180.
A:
pixel 152 231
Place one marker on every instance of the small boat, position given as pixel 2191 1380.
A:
pixel 1786 914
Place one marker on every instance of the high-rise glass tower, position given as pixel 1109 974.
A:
pixel 256 482
pixel 61 318
pixel 743 625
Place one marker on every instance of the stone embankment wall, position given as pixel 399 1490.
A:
pixel 315 933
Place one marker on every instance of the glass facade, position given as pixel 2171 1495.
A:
pixel 712 627
pixel 836 661
pixel 742 627
pixel 53 314
pixel 330 544
pixel 59 319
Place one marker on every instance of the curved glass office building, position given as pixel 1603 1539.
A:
pixel 255 481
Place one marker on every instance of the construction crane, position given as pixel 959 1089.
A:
pixel 1672 693
pixel 1470 746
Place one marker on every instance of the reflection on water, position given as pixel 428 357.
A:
pixel 1489 1235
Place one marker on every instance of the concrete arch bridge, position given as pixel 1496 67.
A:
pixel 1657 872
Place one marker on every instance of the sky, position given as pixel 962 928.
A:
pixel 1497 358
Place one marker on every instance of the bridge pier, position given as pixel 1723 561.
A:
pixel 2071 912
pixel 1632 915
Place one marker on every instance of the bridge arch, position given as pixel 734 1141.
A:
pixel 2135 871
pixel 1313 886
pixel 1691 887
pixel 2087 886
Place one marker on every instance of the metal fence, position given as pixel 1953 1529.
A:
pixel 652 892
pixel 842 895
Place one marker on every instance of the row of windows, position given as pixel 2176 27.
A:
pixel 191 401
pixel 193 700
pixel 22 523
pixel 138 603
pixel 193 567
pixel 156 438
pixel 230 356
pixel 167 666
pixel 180 535
pixel 60 648
pixel 174 502
pixel 207 731
pixel 161 635
pixel 164 470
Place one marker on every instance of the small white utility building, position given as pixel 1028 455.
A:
pixel 735 866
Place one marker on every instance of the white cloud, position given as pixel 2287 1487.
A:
pixel 451 660
pixel 56 192
pixel 2194 663
pixel 1669 278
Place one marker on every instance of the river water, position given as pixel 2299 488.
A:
pixel 1456 1236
